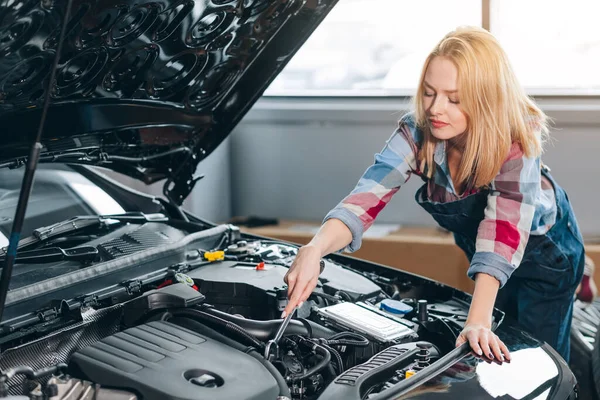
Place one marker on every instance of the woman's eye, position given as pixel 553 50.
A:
pixel 426 94
pixel 454 101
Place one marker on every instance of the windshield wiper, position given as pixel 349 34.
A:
pixel 53 254
pixel 78 223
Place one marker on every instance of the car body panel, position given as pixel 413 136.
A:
pixel 147 89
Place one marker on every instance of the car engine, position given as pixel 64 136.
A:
pixel 208 328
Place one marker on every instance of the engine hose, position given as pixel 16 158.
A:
pixel 265 330
pixel 29 373
pixel 337 357
pixel 326 296
pixel 336 339
pixel 284 390
pixel 348 334
pixel 307 325
pixel 325 361
pixel 346 296
pixel 346 342
pixel 228 325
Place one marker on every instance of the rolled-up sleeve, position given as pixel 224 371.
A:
pixel 504 232
pixel 391 169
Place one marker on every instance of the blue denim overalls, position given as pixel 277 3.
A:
pixel 540 292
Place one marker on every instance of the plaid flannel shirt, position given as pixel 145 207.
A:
pixel 523 203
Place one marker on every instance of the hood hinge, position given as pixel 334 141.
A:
pixel 177 189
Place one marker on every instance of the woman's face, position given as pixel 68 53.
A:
pixel 441 99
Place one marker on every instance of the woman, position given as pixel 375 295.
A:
pixel 475 138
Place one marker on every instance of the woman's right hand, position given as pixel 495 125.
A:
pixel 302 276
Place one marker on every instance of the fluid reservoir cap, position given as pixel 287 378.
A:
pixel 395 306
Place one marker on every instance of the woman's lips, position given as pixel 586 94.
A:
pixel 438 124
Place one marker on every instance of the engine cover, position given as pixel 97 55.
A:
pixel 163 361
pixel 241 288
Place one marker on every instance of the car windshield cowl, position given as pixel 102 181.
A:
pixel 54 254
pixel 78 223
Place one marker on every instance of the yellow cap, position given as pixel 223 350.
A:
pixel 409 373
pixel 214 255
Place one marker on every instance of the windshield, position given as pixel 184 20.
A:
pixel 58 193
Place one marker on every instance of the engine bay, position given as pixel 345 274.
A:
pixel 207 326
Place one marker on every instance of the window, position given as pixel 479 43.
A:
pixel 553 45
pixel 377 47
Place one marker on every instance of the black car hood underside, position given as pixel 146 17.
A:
pixel 148 89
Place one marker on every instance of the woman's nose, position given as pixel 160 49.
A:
pixel 438 106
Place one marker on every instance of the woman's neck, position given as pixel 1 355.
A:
pixel 458 143
pixel 455 148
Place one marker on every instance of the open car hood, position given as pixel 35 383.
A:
pixel 147 89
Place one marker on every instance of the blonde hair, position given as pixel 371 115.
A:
pixel 497 108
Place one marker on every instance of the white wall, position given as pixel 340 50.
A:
pixel 294 158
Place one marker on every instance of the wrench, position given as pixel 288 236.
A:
pixel 274 343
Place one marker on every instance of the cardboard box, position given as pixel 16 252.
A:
pixel 424 251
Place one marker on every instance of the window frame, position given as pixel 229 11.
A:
pixel 486 6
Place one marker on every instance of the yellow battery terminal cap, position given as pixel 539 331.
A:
pixel 214 255
pixel 409 373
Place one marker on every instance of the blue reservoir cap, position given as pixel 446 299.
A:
pixel 395 306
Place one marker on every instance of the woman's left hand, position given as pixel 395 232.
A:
pixel 484 343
